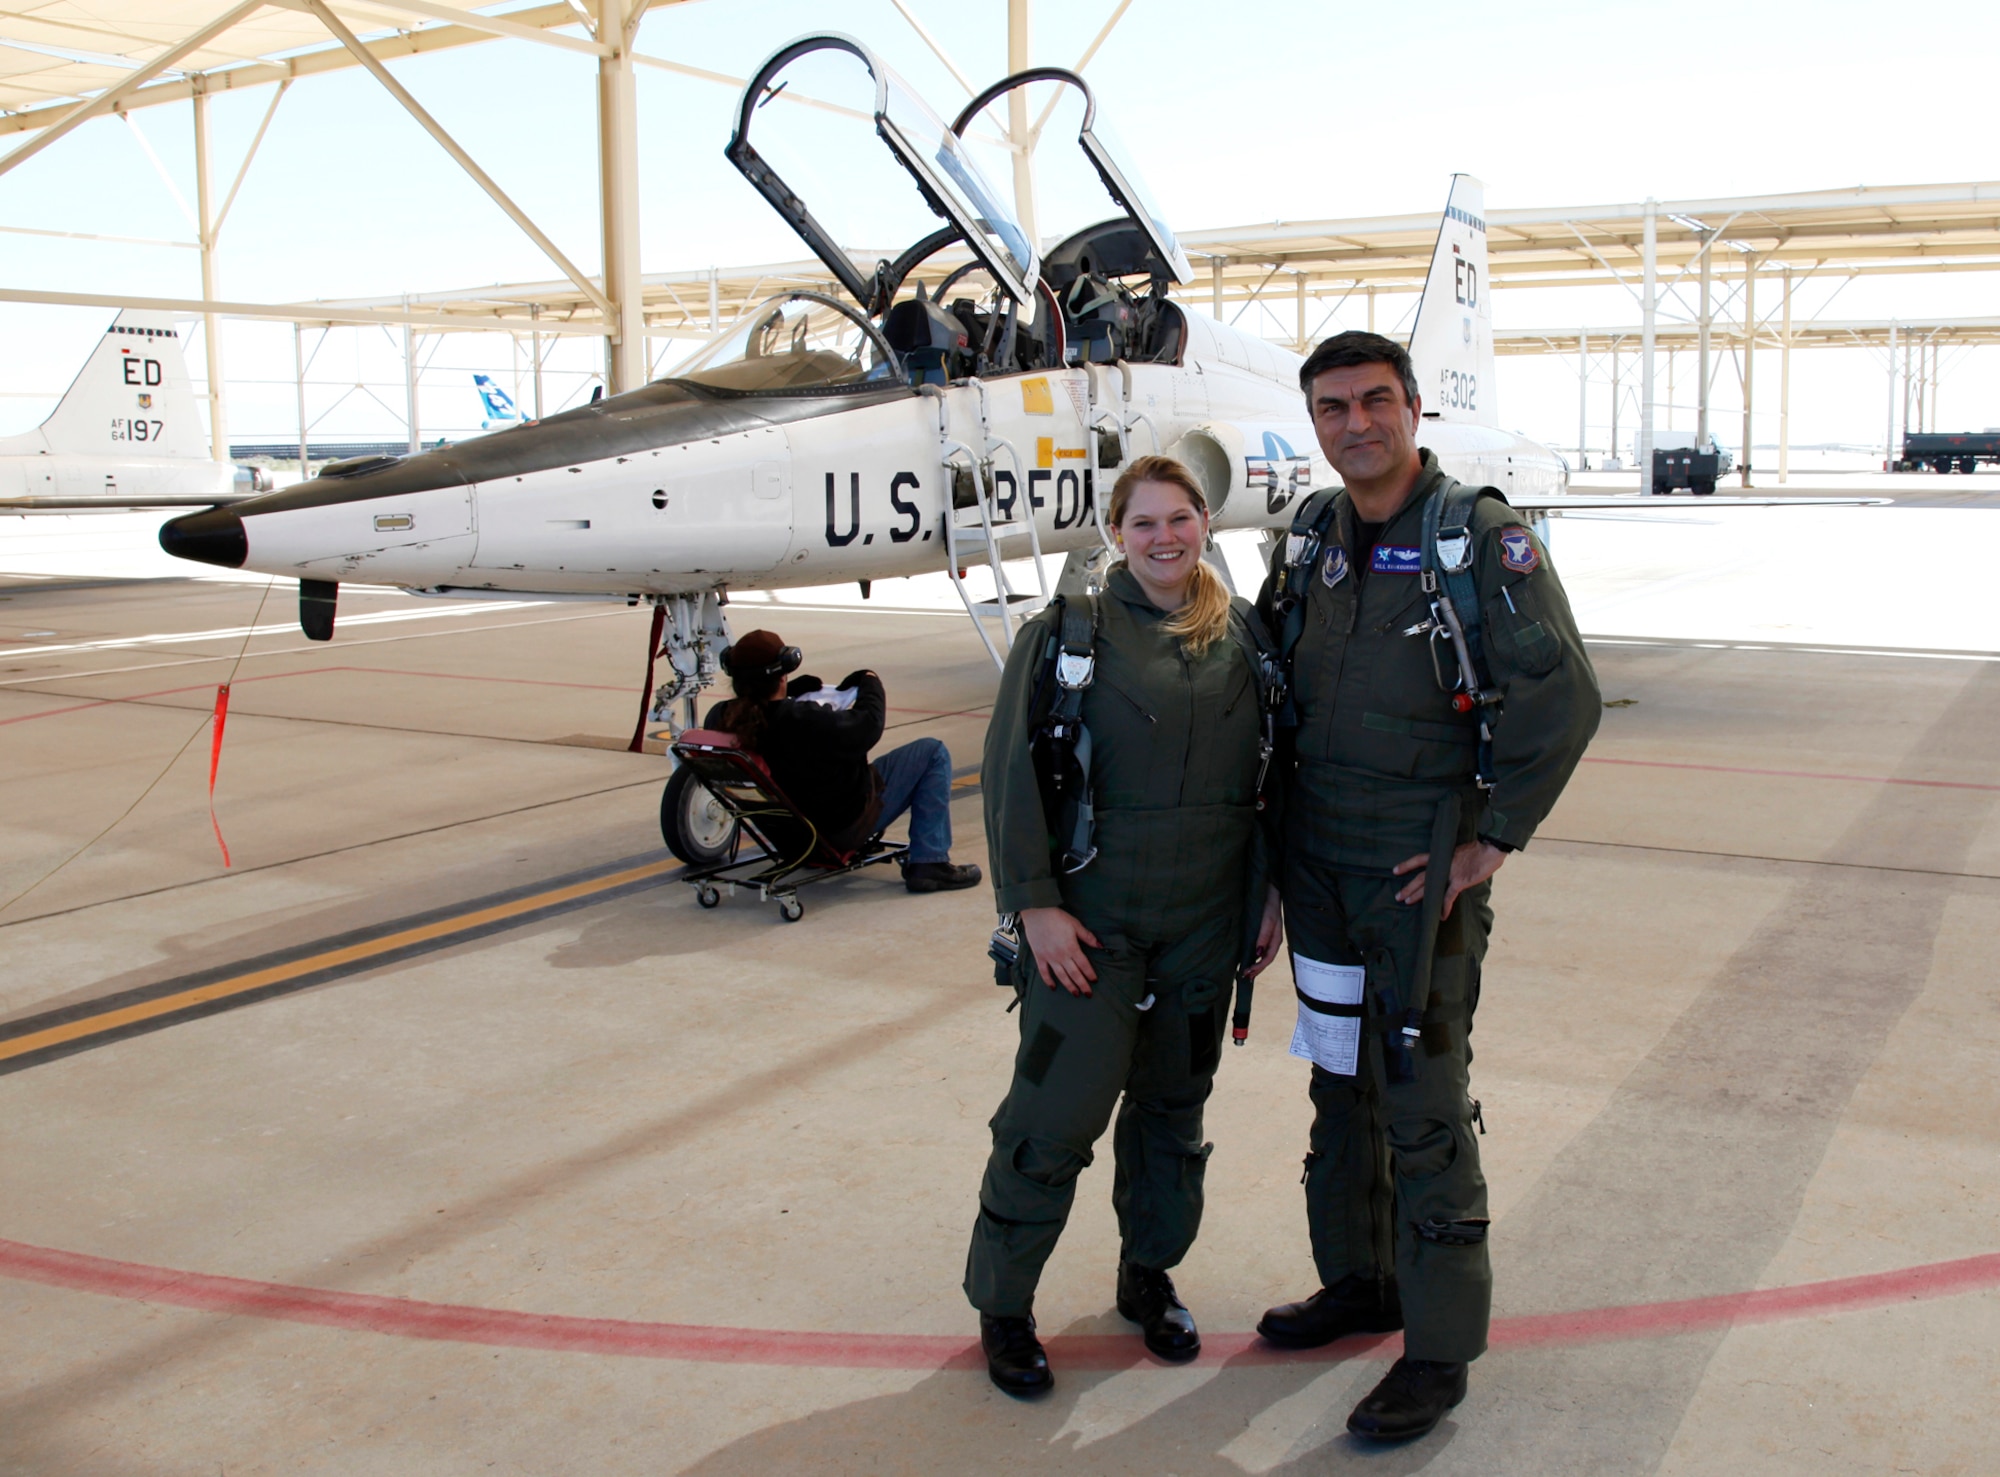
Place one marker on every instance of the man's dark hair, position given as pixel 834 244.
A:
pixel 1357 346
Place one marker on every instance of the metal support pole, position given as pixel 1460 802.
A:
pixel 714 299
pixel 1672 360
pixel 618 197
pixel 535 342
pixel 299 366
pixel 1749 357
pixel 1302 312
pixel 1785 387
pixel 1907 376
pixel 1215 286
pixel 218 411
pixel 1701 341
pixel 1648 300
pixel 410 382
pixel 1371 310
pixel 1019 136
pixel 1889 438
pixel 1617 395
pixel 1583 399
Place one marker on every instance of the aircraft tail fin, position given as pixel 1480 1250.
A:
pixel 1452 342
pixel 500 408
pixel 133 396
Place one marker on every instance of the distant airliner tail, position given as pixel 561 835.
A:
pixel 132 398
pixel 500 409
pixel 1452 342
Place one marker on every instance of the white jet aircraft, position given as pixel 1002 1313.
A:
pixel 819 441
pixel 124 435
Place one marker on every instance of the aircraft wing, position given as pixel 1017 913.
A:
pixel 1564 502
pixel 136 502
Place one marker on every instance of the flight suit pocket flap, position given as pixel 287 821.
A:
pixel 1519 640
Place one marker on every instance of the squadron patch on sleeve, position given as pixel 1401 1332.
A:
pixel 1333 569
pixel 1517 551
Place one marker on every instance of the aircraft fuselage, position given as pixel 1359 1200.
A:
pixel 674 489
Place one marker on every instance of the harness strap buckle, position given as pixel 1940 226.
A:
pixel 1075 669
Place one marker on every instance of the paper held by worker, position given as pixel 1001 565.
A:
pixel 840 699
pixel 1329 1030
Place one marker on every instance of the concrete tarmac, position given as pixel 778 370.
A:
pixel 526 1168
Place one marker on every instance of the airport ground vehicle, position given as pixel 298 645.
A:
pixel 1945 451
pixel 1680 461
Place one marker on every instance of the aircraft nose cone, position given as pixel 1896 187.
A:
pixel 212 536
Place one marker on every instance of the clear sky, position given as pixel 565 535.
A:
pixel 1238 113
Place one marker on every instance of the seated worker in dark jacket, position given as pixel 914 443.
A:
pixel 818 754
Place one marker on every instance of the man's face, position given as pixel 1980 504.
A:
pixel 1364 425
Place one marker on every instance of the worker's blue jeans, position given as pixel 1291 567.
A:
pixel 917 778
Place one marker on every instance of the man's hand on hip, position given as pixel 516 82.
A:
pixel 1471 864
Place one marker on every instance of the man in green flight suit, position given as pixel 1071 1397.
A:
pixel 1397 762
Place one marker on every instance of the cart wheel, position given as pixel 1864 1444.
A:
pixel 697 829
pixel 707 896
pixel 791 909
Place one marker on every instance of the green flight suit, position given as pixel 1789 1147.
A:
pixel 1393 1184
pixel 1174 764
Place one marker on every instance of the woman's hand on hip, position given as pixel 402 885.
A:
pixel 1058 941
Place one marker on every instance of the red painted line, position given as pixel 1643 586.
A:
pixel 1795 774
pixel 507 1328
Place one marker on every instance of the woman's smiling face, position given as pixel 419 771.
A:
pixel 1162 535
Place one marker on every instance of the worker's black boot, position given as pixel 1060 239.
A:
pixel 939 876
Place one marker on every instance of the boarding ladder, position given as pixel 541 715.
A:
pixel 1104 418
pixel 973 525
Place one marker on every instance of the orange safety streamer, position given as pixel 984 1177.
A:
pixel 215 762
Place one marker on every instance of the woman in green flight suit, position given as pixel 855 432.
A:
pixel 1126 965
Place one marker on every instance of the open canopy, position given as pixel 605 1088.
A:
pixel 1107 156
pixel 952 184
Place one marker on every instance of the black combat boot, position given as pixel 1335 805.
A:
pixel 1015 1359
pixel 939 876
pixel 1412 1398
pixel 1147 1297
pixel 1352 1305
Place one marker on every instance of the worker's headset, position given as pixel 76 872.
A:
pixel 787 660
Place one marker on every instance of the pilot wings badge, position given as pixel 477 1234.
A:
pixel 1333 569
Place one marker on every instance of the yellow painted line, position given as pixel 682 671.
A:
pixel 146 1010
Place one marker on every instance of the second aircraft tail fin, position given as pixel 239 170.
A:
pixel 133 396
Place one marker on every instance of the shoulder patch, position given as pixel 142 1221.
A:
pixel 1517 550
pixel 1333 568
pixel 1396 559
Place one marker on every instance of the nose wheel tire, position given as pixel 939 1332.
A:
pixel 791 909
pixel 696 828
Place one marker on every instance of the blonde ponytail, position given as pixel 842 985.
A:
pixel 1204 619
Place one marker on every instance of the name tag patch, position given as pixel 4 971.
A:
pixel 1517 551
pixel 1396 559
pixel 1333 568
